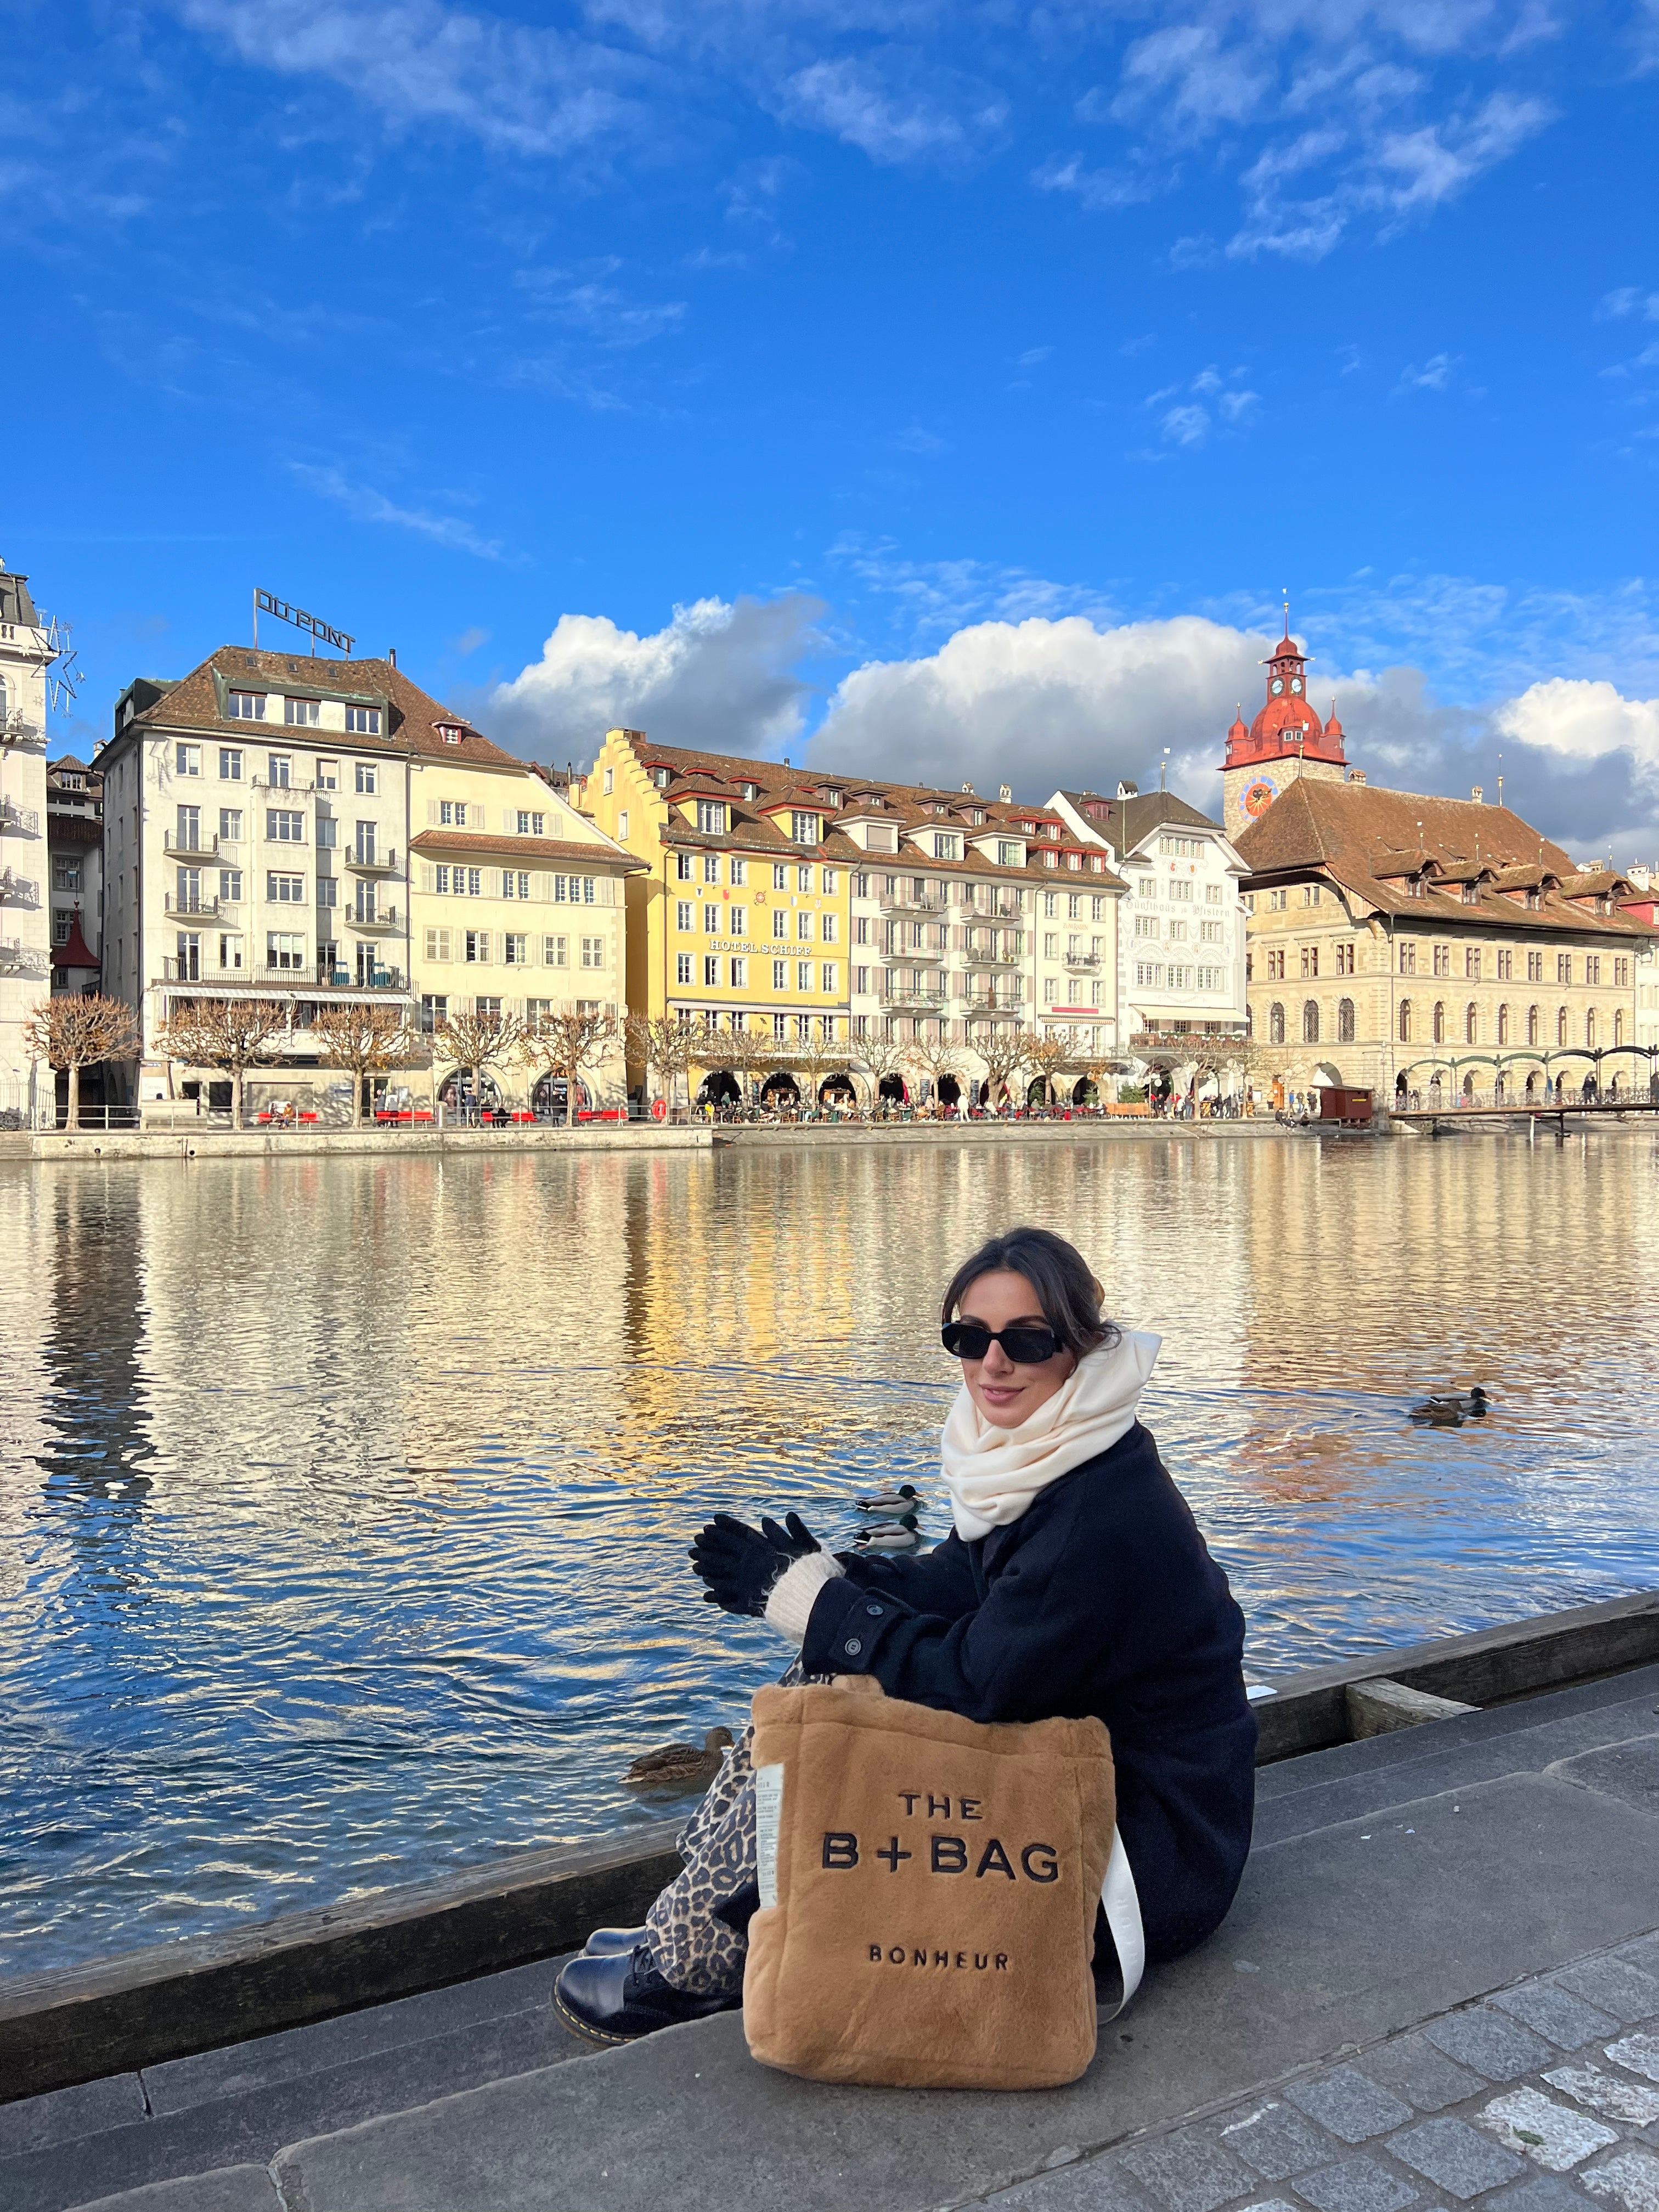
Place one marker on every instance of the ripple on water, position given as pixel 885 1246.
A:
pixel 344 1503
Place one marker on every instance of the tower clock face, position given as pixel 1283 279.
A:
pixel 1296 683
pixel 1258 797
pixel 1278 685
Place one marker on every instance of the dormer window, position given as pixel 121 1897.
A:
pixel 1415 887
pixel 1030 828
pixel 1051 829
pixel 805 829
pixel 662 777
pixel 976 815
pixel 1471 894
pixel 449 732
pixel 947 847
pixel 1534 900
pixel 711 816
pixel 832 799
pixel 750 791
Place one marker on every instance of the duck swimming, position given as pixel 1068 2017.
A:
pixel 893 1504
pixel 900 1536
pixel 678 1765
pixel 1450 1410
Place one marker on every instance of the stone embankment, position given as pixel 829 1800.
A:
pixel 1439 1986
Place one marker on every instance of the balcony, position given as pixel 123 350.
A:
pixel 1086 960
pixel 902 902
pixel 12 956
pixel 16 729
pixel 197 910
pixel 301 787
pixel 912 1001
pixel 200 850
pixel 979 955
pixel 287 983
pixel 367 864
pixel 991 1002
pixel 18 889
pixel 386 918
pixel 24 820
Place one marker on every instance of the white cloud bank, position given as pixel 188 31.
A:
pixel 1071 700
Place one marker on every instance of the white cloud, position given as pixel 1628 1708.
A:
pixel 1584 721
pixel 718 676
pixel 940 595
pixel 1434 375
pixel 1628 299
pixel 523 89
pixel 1186 426
pixel 368 504
pixel 597 310
pixel 850 99
pixel 1093 189
pixel 1421 168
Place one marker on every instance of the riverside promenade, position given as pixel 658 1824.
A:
pixel 1439 1987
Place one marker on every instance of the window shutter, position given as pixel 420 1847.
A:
pixel 431 813
pixel 426 876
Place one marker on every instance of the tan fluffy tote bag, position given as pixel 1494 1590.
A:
pixel 928 1887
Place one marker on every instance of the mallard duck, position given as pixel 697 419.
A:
pixel 1448 1411
pixel 893 1504
pixel 898 1536
pixel 678 1765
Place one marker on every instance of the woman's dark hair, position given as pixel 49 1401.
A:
pixel 1067 1290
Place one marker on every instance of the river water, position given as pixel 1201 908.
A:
pixel 343 1503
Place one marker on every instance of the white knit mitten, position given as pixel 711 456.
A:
pixel 789 1604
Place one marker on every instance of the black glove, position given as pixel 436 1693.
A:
pixel 740 1564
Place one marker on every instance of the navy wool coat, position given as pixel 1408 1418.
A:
pixel 1101 1598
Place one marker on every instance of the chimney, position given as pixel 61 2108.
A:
pixel 1477 793
pixel 1006 793
pixel 1128 791
pixel 969 789
pixel 391 654
pixel 1356 775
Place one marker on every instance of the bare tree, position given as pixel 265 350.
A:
pixel 880 1055
pixel 1004 1052
pixel 365 1039
pixel 818 1057
pixel 470 1041
pixel 233 1033
pixel 934 1057
pixel 73 1033
pixel 1050 1056
pixel 659 1043
pixel 566 1043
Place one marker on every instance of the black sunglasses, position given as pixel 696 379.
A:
pixel 1027 1345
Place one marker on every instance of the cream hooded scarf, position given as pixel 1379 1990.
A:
pixel 993 1474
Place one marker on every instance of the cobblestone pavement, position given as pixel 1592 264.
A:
pixel 1544 2098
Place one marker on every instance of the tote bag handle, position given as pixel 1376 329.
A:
pixel 1121 1906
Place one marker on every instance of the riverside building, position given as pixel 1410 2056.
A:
pixel 25 912
pixel 786 908
pixel 314 831
pixel 1424 948
pixel 74 851
pixel 1180 949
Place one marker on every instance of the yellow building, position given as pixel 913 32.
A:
pixel 739 919
pixel 516 905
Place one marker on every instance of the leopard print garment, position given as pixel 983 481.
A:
pixel 692 1950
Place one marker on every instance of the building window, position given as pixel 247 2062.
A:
pixel 245 707
pixel 515 950
pixel 803 974
pixel 1310 1021
pixel 1405 1021
pixel 489 1009
pixel 279 771
pixel 622 826
pixel 711 868
pixel 683 868
pixel 515 883
pixel 711 971
pixel 1532 1025
pixel 1589 1030
pixel 780 975
pixel 1564 967
pixel 438 944
pixel 230 886
pixel 685 914
pixel 805 829
pixel 1345 1023
pixel 737 920
pixel 433 1010
pixel 828 984
pixel 451 813
pixel 1471 1024
pixel 284 827
pixel 593 952
pixel 286 954
pixel 711 922
pixel 1472 963
pixel 285 890
pixel 368 778
pixel 682 967
pixel 531 825
pixel 1443 960
pixel 1621 975
pixel 1309 962
pixel 1592 968
pixel 1505 965
pixel 827 929
pixel 779 922
pixel 711 816
pixel 1275 1024
pixel 188 760
pixel 328 776
pixel 1344 959
pixel 66 873
pixel 476 947
pixel 230 824
pixel 555 952
pixel 1439 1022
pixel 230 955
pixel 230 763
pixel 1503 1024
pixel 328 890
pixel 804 925
pixel 1534 967
pixel 302 711
pixel 362 721
pixel 739 975
pixel 1561 1025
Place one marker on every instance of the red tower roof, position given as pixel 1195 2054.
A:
pixel 74 952
pixel 1288 725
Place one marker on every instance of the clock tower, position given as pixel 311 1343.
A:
pixel 1286 739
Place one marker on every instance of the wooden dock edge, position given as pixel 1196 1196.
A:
pixel 139 2009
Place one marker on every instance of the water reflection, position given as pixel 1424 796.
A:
pixel 344 1503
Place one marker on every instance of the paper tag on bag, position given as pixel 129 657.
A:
pixel 769 1824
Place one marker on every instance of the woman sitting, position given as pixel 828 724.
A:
pixel 1075 1582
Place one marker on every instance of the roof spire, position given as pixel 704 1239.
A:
pixel 1287 618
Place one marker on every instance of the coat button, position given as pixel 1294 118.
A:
pixel 852 1647
pixel 874 1612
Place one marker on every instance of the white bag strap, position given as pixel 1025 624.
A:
pixel 1121 1906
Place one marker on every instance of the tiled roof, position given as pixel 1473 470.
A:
pixel 1126 821
pixel 1368 839
pixel 413 717
pixel 600 852
pixel 15 604
pixel 911 807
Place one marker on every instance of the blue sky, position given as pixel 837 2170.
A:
pixel 947 390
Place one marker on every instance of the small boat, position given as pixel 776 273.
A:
pixel 680 1765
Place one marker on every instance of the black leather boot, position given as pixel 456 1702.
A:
pixel 619 1997
pixel 608 1943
